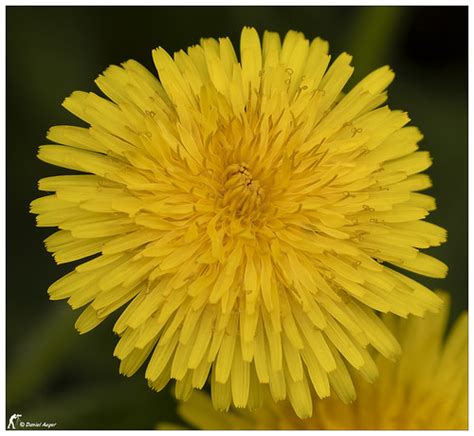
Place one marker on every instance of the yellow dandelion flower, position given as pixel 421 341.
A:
pixel 426 389
pixel 248 212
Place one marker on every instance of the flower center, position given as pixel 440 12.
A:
pixel 242 193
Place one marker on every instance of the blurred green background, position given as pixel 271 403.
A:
pixel 55 375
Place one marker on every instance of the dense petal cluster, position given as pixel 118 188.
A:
pixel 425 390
pixel 248 212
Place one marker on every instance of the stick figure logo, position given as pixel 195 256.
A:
pixel 13 421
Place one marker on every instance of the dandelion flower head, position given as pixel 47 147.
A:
pixel 248 213
pixel 426 389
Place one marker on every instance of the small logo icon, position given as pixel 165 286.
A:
pixel 13 421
